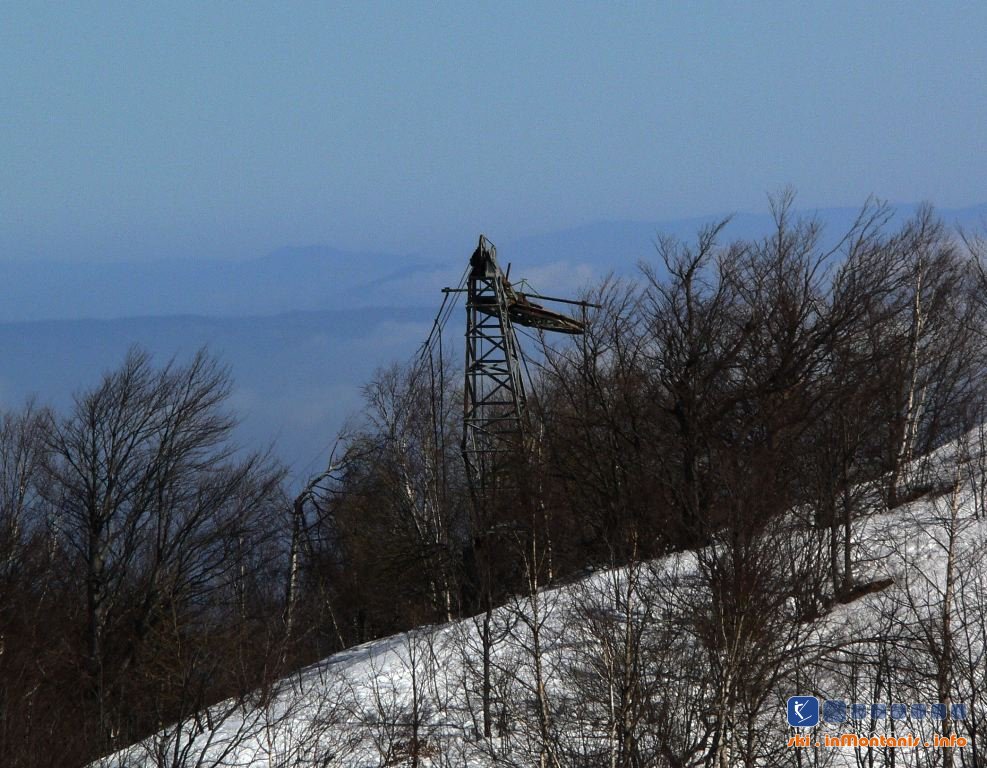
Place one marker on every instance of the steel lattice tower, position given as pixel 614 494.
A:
pixel 494 406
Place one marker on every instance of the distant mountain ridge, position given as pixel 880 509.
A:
pixel 621 244
pixel 290 279
pixel 322 278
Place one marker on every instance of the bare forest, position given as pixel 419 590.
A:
pixel 696 473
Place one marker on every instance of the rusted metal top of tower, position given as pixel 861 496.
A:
pixel 520 308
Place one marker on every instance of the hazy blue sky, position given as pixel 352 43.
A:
pixel 230 129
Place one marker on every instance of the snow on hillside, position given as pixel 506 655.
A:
pixel 562 662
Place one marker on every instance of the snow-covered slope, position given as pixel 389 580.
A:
pixel 641 661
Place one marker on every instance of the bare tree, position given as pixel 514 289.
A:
pixel 150 501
